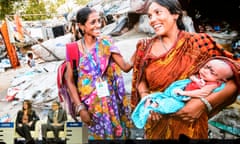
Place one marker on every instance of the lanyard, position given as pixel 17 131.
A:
pixel 90 57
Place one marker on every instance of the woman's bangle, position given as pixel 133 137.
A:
pixel 80 107
pixel 207 104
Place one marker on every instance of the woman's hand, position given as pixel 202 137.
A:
pixel 30 123
pixel 154 116
pixel 85 116
pixel 191 111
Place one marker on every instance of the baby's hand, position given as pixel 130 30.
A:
pixel 197 80
pixel 178 91
pixel 147 102
pixel 154 104
pixel 193 78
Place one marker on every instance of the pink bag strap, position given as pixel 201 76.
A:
pixel 72 53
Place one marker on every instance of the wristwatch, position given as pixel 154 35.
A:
pixel 80 107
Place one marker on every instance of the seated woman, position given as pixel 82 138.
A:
pixel 211 77
pixel 25 121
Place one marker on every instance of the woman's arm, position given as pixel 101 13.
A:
pixel 143 89
pixel 223 98
pixel 18 118
pixel 70 83
pixel 125 66
pixel 85 117
pixel 35 116
pixel 218 100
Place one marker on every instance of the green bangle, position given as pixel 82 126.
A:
pixel 207 104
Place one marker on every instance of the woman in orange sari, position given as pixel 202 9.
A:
pixel 173 54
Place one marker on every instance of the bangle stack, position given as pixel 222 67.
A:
pixel 207 104
pixel 80 107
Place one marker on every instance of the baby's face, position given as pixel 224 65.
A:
pixel 215 70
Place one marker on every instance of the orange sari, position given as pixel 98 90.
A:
pixel 160 72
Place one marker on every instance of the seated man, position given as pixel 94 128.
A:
pixel 55 122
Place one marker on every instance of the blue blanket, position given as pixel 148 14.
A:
pixel 168 102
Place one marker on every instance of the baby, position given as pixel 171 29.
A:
pixel 210 76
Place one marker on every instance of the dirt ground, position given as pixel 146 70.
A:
pixel 5 82
pixel 6 78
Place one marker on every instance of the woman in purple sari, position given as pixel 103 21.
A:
pixel 99 97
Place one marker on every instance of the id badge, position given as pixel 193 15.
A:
pixel 102 89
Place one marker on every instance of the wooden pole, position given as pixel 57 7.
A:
pixel 11 49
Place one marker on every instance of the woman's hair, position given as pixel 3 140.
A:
pixel 29 54
pixel 82 16
pixel 29 104
pixel 174 7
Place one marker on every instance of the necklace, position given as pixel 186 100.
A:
pixel 85 49
pixel 166 49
